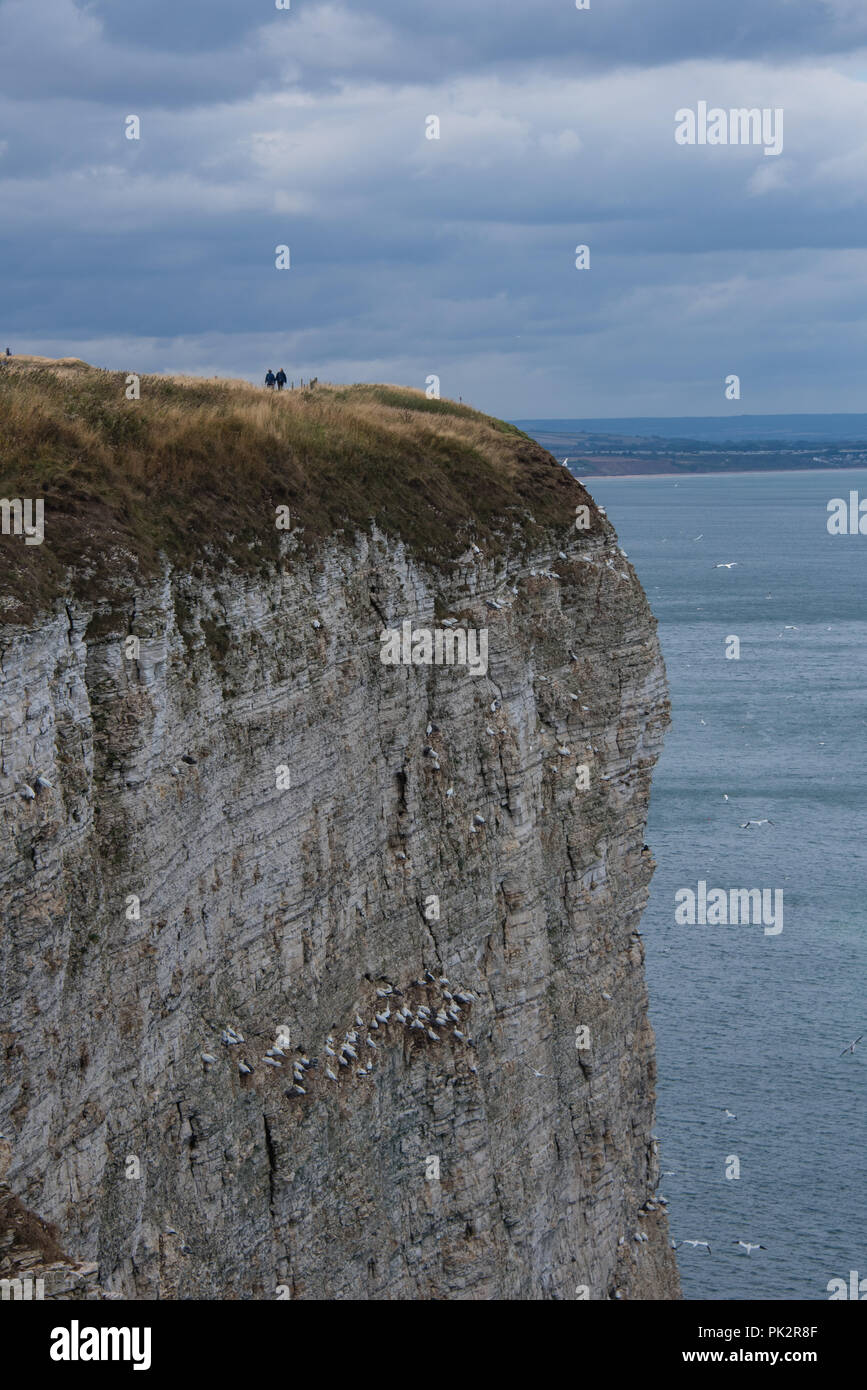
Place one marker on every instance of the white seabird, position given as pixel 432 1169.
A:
pixel 747 823
pixel 852 1045
pixel 207 1058
pixel 726 565
pixel 696 1244
pixel 749 1245
pixel 27 792
pixel 271 1062
pixel 43 782
pixel 330 1074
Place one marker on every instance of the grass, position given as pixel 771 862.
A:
pixel 193 471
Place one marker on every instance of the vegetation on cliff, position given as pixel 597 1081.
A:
pixel 195 469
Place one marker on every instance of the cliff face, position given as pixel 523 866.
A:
pixel 240 852
pixel 265 907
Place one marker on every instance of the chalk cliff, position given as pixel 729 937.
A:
pixel 248 827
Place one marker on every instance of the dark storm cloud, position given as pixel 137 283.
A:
pixel 454 256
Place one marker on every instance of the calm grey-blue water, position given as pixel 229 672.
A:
pixel 745 1021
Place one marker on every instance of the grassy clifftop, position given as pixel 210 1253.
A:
pixel 195 469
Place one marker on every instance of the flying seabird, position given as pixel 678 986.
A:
pixel 696 1244
pixel 749 1245
pixel 726 565
pixel 851 1048
pixel 747 823
pixel 729 1114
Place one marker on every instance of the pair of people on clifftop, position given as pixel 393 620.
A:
pixel 279 380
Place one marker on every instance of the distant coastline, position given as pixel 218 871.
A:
pixel 710 473
pixel 694 446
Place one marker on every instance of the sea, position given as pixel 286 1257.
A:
pixel 750 1022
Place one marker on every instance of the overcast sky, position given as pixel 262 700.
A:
pixel 456 256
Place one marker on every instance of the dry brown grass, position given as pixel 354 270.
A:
pixel 194 470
